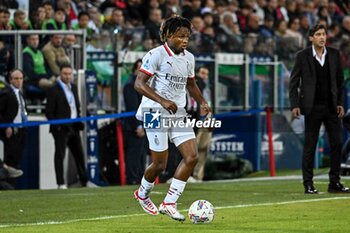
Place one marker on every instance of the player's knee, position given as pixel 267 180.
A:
pixel 159 167
pixel 192 159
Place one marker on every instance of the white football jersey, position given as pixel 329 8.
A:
pixel 169 73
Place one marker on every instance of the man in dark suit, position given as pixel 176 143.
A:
pixel 62 103
pixel 316 91
pixel 134 134
pixel 12 110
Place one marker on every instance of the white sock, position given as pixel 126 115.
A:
pixel 145 188
pixel 175 191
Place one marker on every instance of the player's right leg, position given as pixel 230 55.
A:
pixel 159 152
pixel 159 161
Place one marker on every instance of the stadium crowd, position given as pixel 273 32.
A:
pixel 264 27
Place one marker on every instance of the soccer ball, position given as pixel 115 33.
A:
pixel 201 211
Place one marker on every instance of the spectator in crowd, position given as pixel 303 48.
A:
pixel 116 25
pixel 251 34
pixel 10 4
pixel 83 23
pixel 293 32
pixel 334 35
pixel 233 8
pixel 117 19
pixel 107 4
pixel 172 7
pixel 36 70
pixel 322 12
pixel 304 26
pixel 66 5
pixel 291 7
pixel 346 27
pixel 220 8
pixel 208 43
pixel 203 135
pixel 49 11
pixel 153 24
pixel 67 43
pixel 96 21
pixel 55 54
pixel 228 36
pixel 19 21
pixel 145 7
pixel 334 12
pixel 317 71
pixel 196 36
pixel 57 23
pixel 2 12
pixel 192 8
pixel 134 134
pixel 271 10
pixel 63 102
pixel 242 16
pixel 259 10
pixel 6 20
pixel 266 31
pixel 37 17
pixel 309 11
pixel 4 59
pixel 12 110
pixel 208 19
pixel 133 9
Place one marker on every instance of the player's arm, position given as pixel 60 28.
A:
pixel 194 91
pixel 142 87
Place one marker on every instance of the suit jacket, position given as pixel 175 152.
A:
pixel 302 86
pixel 8 107
pixel 57 106
pixel 132 101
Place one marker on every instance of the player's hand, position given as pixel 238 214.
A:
pixel 140 132
pixel 8 132
pixel 340 111
pixel 205 109
pixel 170 106
pixel 296 113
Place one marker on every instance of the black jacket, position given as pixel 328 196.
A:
pixel 8 107
pixel 302 86
pixel 57 107
pixel 132 101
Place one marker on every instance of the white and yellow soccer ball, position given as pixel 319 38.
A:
pixel 201 211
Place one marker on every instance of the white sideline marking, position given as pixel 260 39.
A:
pixel 136 215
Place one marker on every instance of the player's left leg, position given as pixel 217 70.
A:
pixel 188 150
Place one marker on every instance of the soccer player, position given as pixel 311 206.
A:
pixel 166 72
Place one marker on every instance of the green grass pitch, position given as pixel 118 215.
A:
pixel 243 206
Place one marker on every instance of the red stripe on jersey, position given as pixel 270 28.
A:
pixel 168 50
pixel 146 72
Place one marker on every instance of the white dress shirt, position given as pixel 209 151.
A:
pixel 70 98
pixel 323 57
pixel 18 118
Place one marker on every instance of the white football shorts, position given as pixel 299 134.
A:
pixel 158 138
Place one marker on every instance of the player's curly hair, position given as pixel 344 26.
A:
pixel 171 25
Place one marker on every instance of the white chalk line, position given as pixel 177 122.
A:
pixel 137 215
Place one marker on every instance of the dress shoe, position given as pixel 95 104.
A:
pixel 62 186
pixel 337 188
pixel 13 172
pixel 310 189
